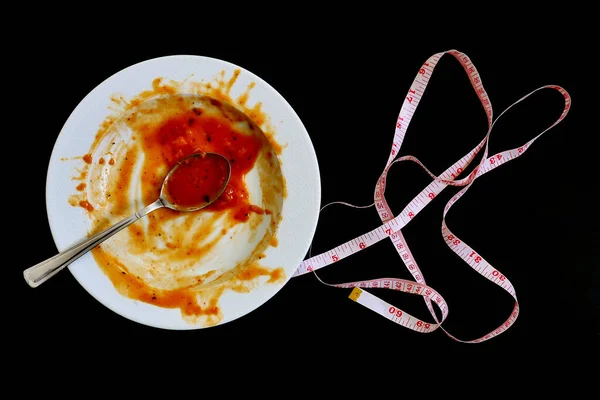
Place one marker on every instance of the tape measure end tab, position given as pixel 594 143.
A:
pixel 355 294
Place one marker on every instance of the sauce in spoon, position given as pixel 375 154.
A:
pixel 197 182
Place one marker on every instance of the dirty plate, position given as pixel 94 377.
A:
pixel 194 270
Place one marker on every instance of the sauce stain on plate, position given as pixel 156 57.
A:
pixel 184 260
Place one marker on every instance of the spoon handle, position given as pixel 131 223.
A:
pixel 39 273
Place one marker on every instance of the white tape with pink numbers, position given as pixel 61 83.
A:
pixel 392 225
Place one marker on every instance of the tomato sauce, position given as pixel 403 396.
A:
pixel 197 181
pixel 194 131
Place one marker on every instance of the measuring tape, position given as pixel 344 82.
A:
pixel 392 225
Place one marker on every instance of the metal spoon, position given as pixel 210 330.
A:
pixel 43 271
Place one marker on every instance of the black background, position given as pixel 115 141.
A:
pixel 535 218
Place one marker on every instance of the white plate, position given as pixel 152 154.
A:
pixel 70 223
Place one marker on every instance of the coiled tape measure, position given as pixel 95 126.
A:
pixel 392 225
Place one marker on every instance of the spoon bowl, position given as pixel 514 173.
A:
pixel 195 182
pixel 192 184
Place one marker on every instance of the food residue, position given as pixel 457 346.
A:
pixel 192 131
pixel 185 260
pixel 197 180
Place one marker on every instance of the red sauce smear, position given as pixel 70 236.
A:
pixel 192 132
pixel 86 204
pixel 198 180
